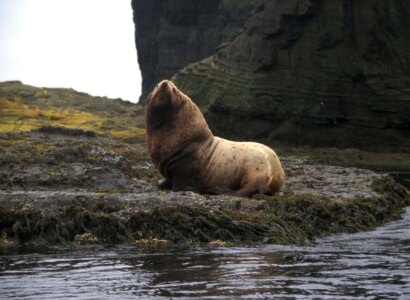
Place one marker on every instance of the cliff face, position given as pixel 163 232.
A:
pixel 301 67
pixel 170 34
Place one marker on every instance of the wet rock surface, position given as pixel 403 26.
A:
pixel 57 188
pixel 334 182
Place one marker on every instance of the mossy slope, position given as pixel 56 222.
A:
pixel 24 108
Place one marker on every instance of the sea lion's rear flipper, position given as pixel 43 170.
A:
pixel 218 190
pixel 245 191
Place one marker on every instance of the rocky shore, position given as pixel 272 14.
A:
pixel 60 187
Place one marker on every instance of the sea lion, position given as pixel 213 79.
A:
pixel 190 157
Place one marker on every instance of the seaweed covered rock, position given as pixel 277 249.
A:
pixel 57 188
pixel 191 218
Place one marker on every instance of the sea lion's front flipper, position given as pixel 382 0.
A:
pixel 179 186
pixel 165 184
pixel 182 182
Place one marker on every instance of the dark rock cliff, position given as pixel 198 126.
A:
pixel 170 34
pixel 307 71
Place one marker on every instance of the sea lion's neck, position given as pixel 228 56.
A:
pixel 177 135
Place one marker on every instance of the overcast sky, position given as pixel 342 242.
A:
pixel 87 45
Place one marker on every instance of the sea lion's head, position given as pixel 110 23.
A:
pixel 165 105
pixel 172 121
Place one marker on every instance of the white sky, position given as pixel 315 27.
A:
pixel 87 45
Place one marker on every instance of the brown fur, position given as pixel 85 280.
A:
pixel 187 154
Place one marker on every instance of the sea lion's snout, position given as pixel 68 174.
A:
pixel 164 86
pixel 164 91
